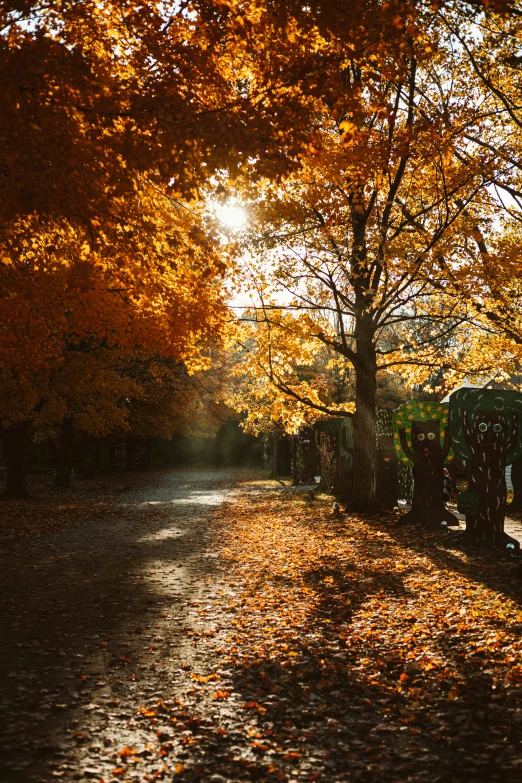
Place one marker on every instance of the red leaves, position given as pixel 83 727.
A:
pixel 253 705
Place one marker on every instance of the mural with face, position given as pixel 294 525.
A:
pixel 421 439
pixel 485 430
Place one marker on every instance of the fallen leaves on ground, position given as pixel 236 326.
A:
pixel 264 640
pixel 360 650
pixel 50 509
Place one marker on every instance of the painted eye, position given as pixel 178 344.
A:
pixel 431 436
pixel 421 436
pixel 497 427
pixel 483 427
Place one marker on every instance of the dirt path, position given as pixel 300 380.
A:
pixel 94 626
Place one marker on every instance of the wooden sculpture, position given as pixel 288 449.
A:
pixel 421 438
pixel 485 429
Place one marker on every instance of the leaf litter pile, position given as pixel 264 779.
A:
pixel 263 640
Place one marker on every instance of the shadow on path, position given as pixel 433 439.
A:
pixel 93 624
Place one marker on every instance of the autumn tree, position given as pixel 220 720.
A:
pixel 79 306
pixel 106 104
pixel 363 239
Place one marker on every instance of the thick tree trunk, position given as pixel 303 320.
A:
pixel 515 507
pixel 64 467
pixel 364 493
pixel 14 440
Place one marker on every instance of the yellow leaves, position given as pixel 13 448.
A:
pixel 146 713
pixel 205 679
pixel 219 695
pixel 128 752
pixel 253 705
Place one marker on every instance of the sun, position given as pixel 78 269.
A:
pixel 232 215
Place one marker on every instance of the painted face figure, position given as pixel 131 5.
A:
pixel 425 439
pixel 490 428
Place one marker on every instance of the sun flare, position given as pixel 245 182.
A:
pixel 232 215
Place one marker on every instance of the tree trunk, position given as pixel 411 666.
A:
pixel 64 468
pixel 90 448
pixel 14 440
pixel 364 493
pixel 147 453
pixel 104 454
pixel 515 507
pixel 274 473
pixel 130 453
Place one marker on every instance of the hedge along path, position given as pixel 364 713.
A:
pixel 355 649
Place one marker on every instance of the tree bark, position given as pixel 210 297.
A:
pixel 64 467
pixel 364 488
pixel 14 440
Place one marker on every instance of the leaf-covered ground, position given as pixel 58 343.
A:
pixel 49 510
pixel 260 640
pixel 359 650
